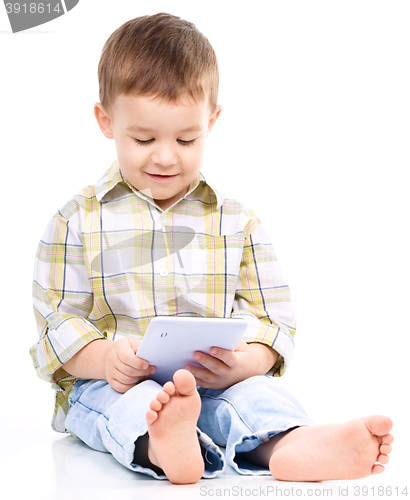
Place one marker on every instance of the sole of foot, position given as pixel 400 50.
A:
pixel 173 441
pixel 333 451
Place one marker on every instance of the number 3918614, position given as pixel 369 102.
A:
pixel 32 8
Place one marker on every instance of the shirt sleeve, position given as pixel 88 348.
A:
pixel 62 299
pixel 262 297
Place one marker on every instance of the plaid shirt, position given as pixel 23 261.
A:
pixel 111 259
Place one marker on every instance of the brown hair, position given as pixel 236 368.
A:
pixel 161 56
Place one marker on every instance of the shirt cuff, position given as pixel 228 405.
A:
pixel 271 335
pixel 57 345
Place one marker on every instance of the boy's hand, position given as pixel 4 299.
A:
pixel 223 368
pixel 123 369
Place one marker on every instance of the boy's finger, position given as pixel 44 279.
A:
pixel 223 354
pixel 124 380
pixel 213 384
pixel 135 343
pixel 242 346
pixel 138 368
pixel 129 358
pixel 201 373
pixel 150 370
pixel 140 364
pixel 132 360
pixel 215 365
pixel 202 383
pixel 119 387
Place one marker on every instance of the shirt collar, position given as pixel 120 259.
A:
pixel 113 176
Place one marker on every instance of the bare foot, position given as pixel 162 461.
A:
pixel 333 451
pixel 173 442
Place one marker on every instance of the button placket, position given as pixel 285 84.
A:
pixel 164 271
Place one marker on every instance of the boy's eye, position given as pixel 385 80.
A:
pixel 186 143
pixel 142 143
pixel 183 143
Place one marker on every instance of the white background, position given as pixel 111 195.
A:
pixel 313 136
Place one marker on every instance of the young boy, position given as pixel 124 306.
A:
pixel 100 275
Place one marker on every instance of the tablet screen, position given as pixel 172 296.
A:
pixel 170 341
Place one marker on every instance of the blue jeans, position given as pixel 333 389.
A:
pixel 239 418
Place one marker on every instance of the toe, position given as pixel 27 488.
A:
pixel 385 449
pixel 185 382
pixel 151 416
pixel 387 439
pixel 163 397
pixel 383 459
pixel 377 469
pixel 155 405
pixel 169 388
pixel 379 425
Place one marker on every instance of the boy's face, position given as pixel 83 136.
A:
pixel 151 139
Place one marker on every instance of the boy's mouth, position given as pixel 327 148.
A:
pixel 162 178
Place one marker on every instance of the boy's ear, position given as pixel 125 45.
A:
pixel 213 118
pixel 103 120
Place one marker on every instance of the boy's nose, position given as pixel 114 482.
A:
pixel 165 156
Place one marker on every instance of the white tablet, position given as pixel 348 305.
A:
pixel 170 341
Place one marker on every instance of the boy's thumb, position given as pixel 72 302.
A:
pixel 135 343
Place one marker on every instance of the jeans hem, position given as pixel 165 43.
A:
pixel 206 443
pixel 259 438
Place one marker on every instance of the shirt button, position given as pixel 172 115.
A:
pixel 164 272
pixel 164 222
